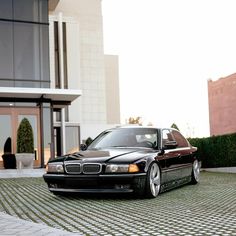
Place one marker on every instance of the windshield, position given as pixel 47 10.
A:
pixel 126 137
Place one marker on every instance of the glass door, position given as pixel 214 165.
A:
pixel 10 119
pixel 5 135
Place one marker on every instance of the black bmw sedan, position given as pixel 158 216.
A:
pixel 141 160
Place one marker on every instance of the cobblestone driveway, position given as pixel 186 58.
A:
pixel 208 208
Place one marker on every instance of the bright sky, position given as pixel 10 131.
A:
pixel 168 49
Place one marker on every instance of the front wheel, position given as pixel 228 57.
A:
pixel 153 182
pixel 195 172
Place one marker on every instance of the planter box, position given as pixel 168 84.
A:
pixel 24 160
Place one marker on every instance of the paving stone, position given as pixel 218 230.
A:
pixel 208 208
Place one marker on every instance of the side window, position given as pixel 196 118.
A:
pixel 166 136
pixel 179 138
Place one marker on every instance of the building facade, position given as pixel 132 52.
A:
pixel 222 105
pixel 52 71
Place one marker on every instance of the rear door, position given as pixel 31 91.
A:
pixel 184 152
pixel 173 164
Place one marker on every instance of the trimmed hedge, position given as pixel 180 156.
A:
pixel 216 151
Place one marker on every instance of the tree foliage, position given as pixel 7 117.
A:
pixel 135 120
pixel 174 126
pixel 88 141
pixel 25 137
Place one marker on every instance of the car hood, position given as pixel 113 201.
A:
pixel 115 155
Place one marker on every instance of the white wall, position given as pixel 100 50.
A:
pixel 85 53
pixel 86 64
pixel 112 89
pixel 93 131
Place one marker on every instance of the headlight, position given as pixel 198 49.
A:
pixel 56 167
pixel 116 168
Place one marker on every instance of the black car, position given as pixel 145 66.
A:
pixel 141 160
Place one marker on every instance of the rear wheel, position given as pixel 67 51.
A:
pixel 153 181
pixel 195 172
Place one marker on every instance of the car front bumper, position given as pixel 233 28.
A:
pixel 109 183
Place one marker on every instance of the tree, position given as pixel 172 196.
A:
pixel 174 126
pixel 135 120
pixel 25 137
pixel 88 141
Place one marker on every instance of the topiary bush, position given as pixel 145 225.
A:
pixel 9 159
pixel 25 137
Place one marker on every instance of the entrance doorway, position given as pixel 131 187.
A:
pixel 10 119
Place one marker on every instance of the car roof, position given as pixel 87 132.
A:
pixel 142 127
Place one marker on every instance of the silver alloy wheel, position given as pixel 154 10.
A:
pixel 196 170
pixel 155 179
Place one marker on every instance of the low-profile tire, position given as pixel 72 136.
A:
pixel 153 182
pixel 195 177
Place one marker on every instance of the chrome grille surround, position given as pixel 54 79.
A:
pixel 85 168
pixel 73 168
pixel 92 168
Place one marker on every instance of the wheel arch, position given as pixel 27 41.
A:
pixel 149 162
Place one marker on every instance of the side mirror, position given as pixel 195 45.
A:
pixel 170 145
pixel 83 147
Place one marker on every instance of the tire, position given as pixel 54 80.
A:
pixel 153 182
pixel 195 177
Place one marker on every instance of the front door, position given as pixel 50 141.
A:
pixel 10 119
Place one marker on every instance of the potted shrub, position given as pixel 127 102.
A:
pixel 9 159
pixel 25 145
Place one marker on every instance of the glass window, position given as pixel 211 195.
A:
pixel 56 53
pixel 67 113
pixel 27 84
pixel 43 11
pixel 25 104
pixel 6 9
pixel 7 104
pixel 65 55
pixel 6 83
pixel 26 10
pixel 57 115
pixel 179 138
pixel 72 139
pixel 45 84
pixel 6 131
pixel 30 58
pixel 44 52
pixel 6 50
pixel 26 51
pixel 166 137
